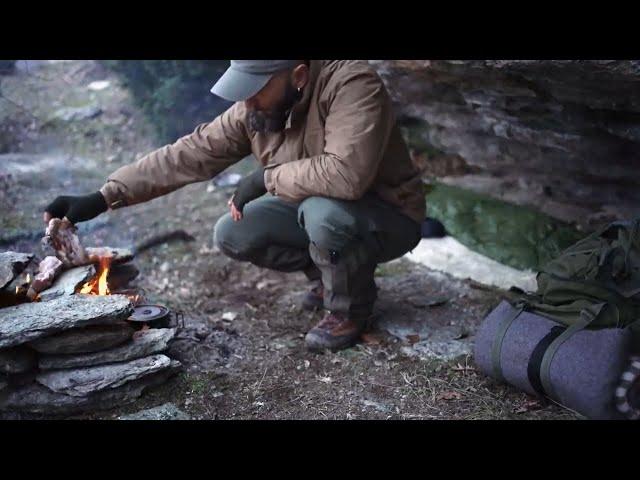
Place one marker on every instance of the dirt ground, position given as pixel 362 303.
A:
pixel 252 363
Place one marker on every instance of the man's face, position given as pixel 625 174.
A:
pixel 269 108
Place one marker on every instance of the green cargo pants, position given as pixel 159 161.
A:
pixel 339 241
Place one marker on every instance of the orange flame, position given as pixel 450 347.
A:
pixel 98 284
pixel 103 288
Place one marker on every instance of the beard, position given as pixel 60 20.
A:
pixel 275 120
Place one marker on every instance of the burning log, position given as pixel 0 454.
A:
pixel 116 256
pixel 98 284
pixel 22 287
pixel 105 280
pixel 120 276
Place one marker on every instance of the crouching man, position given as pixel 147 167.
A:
pixel 336 193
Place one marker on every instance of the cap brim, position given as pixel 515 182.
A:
pixel 237 86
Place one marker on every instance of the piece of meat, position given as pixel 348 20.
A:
pixel 61 236
pixel 47 272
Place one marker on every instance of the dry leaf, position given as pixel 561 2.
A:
pixel 413 339
pixel 449 395
pixel 371 339
pixel 528 406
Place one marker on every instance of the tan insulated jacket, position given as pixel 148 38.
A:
pixel 341 141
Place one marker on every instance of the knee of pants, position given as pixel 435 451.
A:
pixel 329 225
pixel 227 236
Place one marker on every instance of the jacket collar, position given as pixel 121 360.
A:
pixel 302 107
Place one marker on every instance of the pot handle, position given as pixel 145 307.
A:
pixel 179 315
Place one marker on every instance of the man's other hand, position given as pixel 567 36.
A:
pixel 249 188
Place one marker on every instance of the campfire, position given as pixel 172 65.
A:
pixel 98 284
pixel 23 288
pixel 109 279
pixel 85 339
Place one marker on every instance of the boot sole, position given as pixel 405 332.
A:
pixel 317 344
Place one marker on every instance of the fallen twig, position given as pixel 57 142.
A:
pixel 163 238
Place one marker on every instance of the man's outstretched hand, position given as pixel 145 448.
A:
pixel 76 209
pixel 249 188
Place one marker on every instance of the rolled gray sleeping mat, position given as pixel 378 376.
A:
pixel 578 369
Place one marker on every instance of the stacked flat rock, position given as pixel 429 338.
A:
pixel 143 343
pixel 68 282
pixel 11 265
pixel 35 398
pixel 71 353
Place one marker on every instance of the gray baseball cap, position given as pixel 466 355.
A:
pixel 244 78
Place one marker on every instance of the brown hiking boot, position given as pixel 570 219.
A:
pixel 335 332
pixel 314 298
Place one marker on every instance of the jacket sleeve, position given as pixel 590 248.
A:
pixel 196 157
pixel 357 128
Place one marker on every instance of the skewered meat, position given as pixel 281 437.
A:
pixel 61 236
pixel 47 272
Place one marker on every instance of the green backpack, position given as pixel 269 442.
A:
pixel 594 282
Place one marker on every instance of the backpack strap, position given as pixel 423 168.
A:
pixel 535 360
pixel 586 317
pixel 496 349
